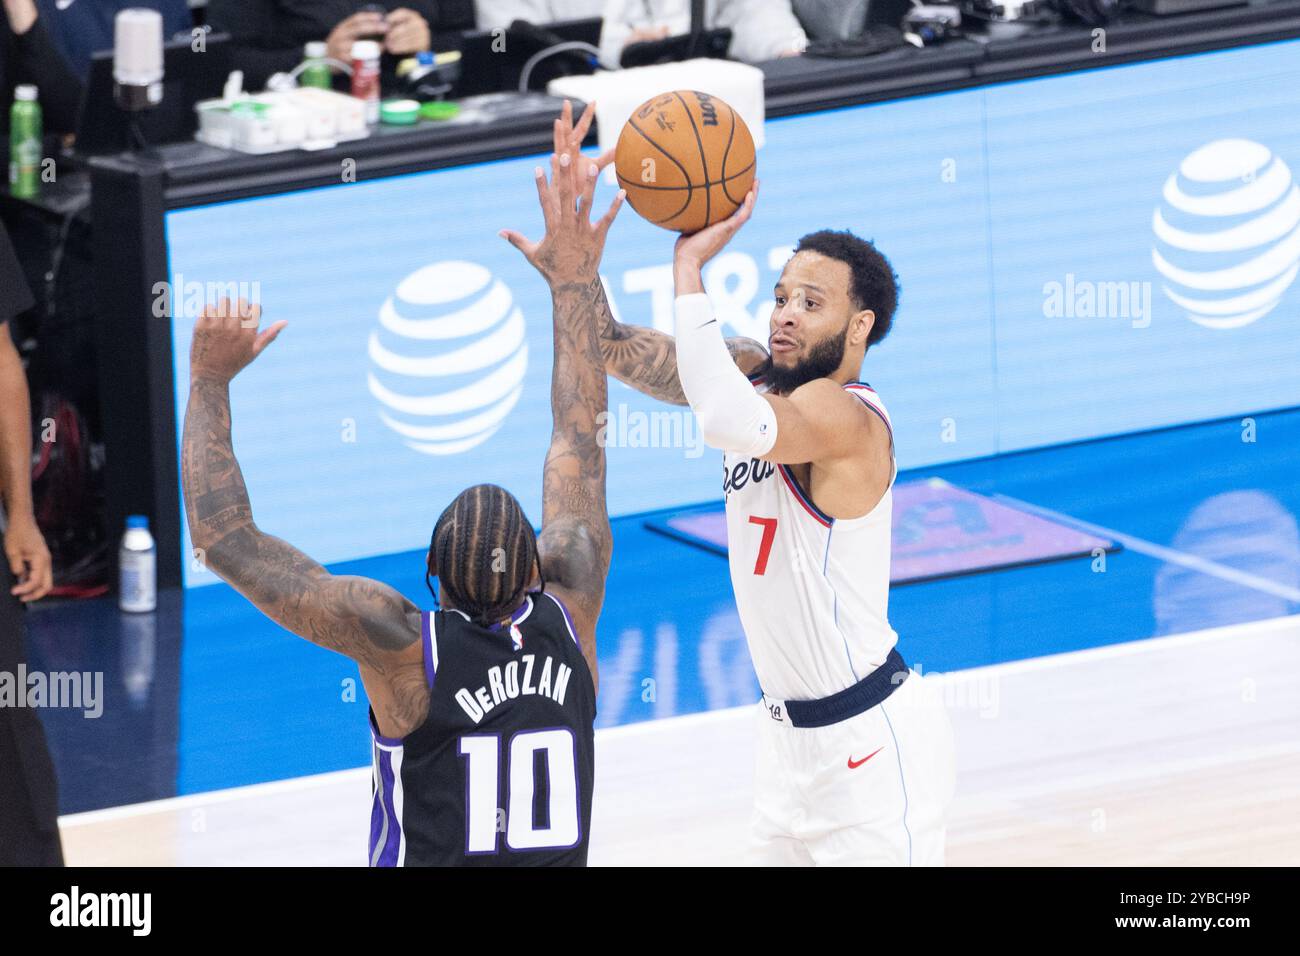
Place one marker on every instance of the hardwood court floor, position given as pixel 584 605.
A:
pixel 1171 751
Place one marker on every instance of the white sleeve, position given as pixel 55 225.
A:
pixel 615 28
pixel 761 29
pixel 495 14
pixel 732 415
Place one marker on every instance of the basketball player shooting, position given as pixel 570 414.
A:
pixel 854 756
pixel 463 700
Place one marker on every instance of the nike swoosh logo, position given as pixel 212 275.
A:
pixel 63 4
pixel 703 324
pixel 855 764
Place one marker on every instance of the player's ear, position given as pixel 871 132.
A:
pixel 860 326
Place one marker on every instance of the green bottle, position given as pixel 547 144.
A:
pixel 25 135
pixel 316 72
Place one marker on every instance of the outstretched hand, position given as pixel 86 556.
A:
pixel 571 248
pixel 226 338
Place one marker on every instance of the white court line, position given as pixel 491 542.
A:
pixel 669 724
pixel 681 720
pixel 293 784
pixel 1169 555
pixel 209 797
pixel 1112 776
pixel 1123 649
pixel 312 781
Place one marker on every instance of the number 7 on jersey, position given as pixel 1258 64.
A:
pixel 764 545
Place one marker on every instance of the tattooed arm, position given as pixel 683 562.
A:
pixel 575 543
pixel 366 620
pixel 646 358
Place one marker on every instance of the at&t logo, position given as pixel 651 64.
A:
pixel 448 359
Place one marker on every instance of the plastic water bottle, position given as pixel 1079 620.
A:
pixel 137 567
pixel 315 71
pixel 25 132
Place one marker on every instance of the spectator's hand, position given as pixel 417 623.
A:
pixel 646 34
pixel 408 32
pixel 356 27
pixel 796 48
pixel 22 14
pixel 29 558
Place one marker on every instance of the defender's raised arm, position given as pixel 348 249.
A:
pixel 366 620
pixel 575 543
pixel 638 355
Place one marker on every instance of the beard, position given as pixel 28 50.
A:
pixel 821 361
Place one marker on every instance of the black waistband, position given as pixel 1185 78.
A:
pixel 851 701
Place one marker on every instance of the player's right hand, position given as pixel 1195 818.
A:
pixel 697 248
pixel 570 250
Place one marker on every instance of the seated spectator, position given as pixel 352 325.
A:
pixel 760 29
pixel 270 34
pixel 493 14
pixel 80 29
pixel 28 55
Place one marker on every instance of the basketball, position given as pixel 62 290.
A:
pixel 686 160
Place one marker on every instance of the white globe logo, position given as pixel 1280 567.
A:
pixel 447 321
pixel 1228 233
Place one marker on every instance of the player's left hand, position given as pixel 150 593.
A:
pixel 226 338
pixel 570 250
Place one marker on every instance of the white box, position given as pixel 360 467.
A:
pixel 618 92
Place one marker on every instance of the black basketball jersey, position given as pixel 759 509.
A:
pixel 501 771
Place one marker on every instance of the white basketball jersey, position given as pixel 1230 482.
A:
pixel 812 591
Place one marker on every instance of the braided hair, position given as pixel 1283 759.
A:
pixel 483 552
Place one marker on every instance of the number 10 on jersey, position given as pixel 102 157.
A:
pixel 562 827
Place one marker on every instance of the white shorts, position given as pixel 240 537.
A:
pixel 872 790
